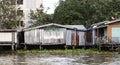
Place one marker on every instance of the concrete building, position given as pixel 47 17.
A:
pixel 24 7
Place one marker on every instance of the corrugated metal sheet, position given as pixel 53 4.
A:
pixel 45 26
pixel 82 38
pixel 79 27
pixel 79 35
pixel 69 40
pixel 68 37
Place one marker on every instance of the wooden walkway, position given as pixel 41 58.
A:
pixel 111 47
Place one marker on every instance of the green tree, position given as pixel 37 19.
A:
pixel 86 12
pixel 8 14
pixel 38 17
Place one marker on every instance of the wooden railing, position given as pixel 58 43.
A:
pixel 106 40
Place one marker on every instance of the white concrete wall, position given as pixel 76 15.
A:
pixel 27 6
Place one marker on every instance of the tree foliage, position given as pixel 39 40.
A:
pixel 38 17
pixel 86 12
pixel 7 14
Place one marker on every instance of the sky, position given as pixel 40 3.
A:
pixel 50 5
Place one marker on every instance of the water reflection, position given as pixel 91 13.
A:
pixel 59 59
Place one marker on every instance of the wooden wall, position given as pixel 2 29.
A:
pixel 89 36
pixel 109 29
pixel 46 36
pixel 8 37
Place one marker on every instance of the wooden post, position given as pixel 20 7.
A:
pixel 99 46
pixel 85 41
pixel 12 45
pixel 40 47
pixel 65 47
pixel 118 49
pixel 15 46
pixel 13 41
pixel 112 47
pixel 73 47
pixel 25 47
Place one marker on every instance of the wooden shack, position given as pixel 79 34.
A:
pixel 8 37
pixel 55 34
pixel 48 34
pixel 107 34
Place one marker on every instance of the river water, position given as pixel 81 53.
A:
pixel 59 59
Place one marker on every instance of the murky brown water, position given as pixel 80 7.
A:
pixel 59 59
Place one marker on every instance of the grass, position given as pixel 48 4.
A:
pixel 76 51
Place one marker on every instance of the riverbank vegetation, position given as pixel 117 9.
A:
pixel 72 51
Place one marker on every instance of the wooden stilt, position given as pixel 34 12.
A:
pixel 118 49
pixel 40 46
pixel 73 47
pixel 99 47
pixel 12 47
pixel 25 47
pixel 112 47
pixel 15 46
pixel 65 47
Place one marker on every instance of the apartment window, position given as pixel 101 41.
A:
pixel 19 2
pixel 20 23
pixel 19 12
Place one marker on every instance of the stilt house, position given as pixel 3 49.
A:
pixel 107 32
pixel 55 34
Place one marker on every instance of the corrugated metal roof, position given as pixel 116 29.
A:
pixel 43 26
pixel 8 30
pixel 114 21
pixel 79 27
pixel 104 23
pixel 100 23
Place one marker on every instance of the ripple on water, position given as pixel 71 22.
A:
pixel 59 59
pixel 54 61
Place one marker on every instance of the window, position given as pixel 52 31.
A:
pixel 19 2
pixel 20 23
pixel 19 12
